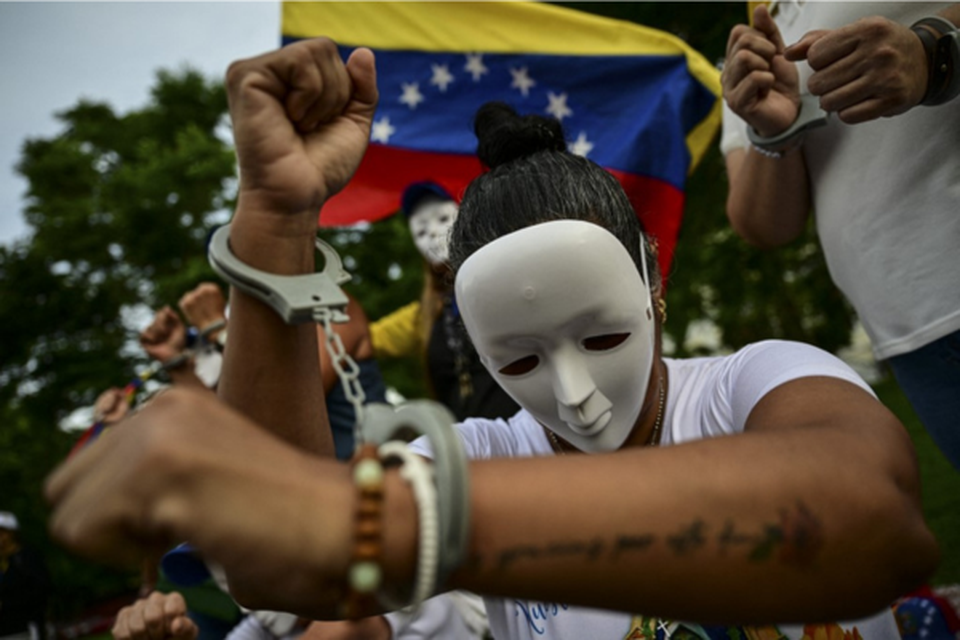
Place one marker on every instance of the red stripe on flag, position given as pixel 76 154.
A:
pixel 374 192
pixel 385 172
pixel 660 208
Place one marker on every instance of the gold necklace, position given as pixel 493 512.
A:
pixel 654 439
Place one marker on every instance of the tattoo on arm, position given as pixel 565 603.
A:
pixel 795 539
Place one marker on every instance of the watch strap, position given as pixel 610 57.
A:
pixel 943 59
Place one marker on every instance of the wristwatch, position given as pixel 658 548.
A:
pixel 943 59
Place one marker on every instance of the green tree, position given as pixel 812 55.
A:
pixel 119 207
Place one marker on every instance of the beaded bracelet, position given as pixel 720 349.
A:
pixel 418 473
pixel 365 575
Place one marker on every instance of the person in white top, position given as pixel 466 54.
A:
pixel 882 176
pixel 802 507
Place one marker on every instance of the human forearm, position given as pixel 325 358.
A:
pixel 269 366
pixel 810 524
pixel 712 531
pixel 951 13
pixel 768 202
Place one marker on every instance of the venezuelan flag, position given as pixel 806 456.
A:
pixel 637 101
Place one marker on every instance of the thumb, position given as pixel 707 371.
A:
pixel 799 50
pixel 362 68
pixel 763 22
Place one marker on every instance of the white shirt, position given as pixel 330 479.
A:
pixel 708 397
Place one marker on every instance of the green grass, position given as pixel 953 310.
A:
pixel 941 484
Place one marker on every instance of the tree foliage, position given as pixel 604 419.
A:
pixel 120 206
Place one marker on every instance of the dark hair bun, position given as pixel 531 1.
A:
pixel 504 136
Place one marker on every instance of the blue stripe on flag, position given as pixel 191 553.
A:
pixel 629 113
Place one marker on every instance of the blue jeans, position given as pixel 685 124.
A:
pixel 930 378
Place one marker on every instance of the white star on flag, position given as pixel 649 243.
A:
pixel 441 77
pixel 581 146
pixel 522 80
pixel 475 66
pixel 411 94
pixel 558 105
pixel 382 130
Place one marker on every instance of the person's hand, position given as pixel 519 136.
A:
pixel 158 616
pixel 279 521
pixel 869 69
pixel 301 121
pixel 111 406
pixel 759 84
pixel 203 306
pixel 166 337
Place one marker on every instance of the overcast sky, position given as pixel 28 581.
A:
pixel 52 54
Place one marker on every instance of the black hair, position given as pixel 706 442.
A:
pixel 532 178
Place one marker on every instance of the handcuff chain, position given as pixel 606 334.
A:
pixel 348 371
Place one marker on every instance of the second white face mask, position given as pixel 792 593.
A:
pixel 430 226
pixel 563 321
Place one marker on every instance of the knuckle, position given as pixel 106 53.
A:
pixel 301 53
pixel 875 25
pixel 743 57
pixel 236 72
pixel 326 46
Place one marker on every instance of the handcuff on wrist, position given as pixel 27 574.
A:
pixel 809 116
pixel 294 298
pixel 943 59
pixel 318 298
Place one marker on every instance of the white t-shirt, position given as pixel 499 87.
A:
pixel 707 397
pixel 456 615
pixel 886 195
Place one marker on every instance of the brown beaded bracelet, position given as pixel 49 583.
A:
pixel 364 575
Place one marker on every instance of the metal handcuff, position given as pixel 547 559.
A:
pixel 317 297
pixel 809 116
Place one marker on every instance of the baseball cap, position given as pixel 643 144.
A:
pixel 417 191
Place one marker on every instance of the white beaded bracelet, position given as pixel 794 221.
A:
pixel 418 473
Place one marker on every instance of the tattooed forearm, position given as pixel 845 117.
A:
pixel 590 550
pixel 633 543
pixel 796 539
pixel 689 538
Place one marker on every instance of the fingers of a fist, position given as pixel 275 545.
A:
pixel 112 500
pixel 108 401
pixel 763 22
pixel 156 617
pixel 745 66
pixel 165 323
pixel 362 68
pixel 320 84
pixel 870 69
pixel 203 305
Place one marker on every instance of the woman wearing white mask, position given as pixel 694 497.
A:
pixel 766 487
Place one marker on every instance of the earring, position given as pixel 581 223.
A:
pixel 662 308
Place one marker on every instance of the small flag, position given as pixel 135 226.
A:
pixel 639 102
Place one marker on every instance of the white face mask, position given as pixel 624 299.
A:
pixel 564 323
pixel 430 226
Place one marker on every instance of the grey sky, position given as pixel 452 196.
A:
pixel 53 53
